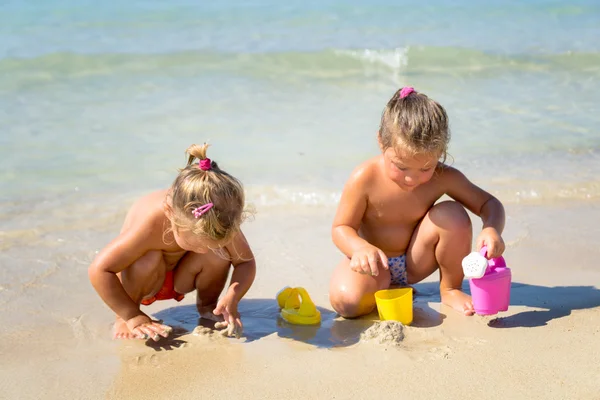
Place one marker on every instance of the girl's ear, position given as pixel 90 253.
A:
pixel 379 141
pixel 167 209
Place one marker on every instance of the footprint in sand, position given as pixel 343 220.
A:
pixel 143 360
pixel 440 352
pixel 469 342
pixel 208 333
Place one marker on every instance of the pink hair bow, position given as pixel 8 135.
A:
pixel 406 90
pixel 204 164
pixel 200 211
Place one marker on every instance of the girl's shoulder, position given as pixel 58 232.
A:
pixel 445 173
pixel 146 212
pixel 367 170
pixel 445 168
pixel 151 202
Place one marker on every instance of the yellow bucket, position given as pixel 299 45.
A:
pixel 395 305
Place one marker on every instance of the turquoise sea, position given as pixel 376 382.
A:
pixel 102 99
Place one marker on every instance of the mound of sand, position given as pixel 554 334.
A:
pixel 389 333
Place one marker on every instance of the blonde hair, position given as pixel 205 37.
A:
pixel 416 124
pixel 195 187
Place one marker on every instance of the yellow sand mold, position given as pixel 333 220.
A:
pixel 395 305
pixel 297 307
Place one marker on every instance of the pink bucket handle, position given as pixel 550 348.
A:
pixel 493 263
pixel 483 251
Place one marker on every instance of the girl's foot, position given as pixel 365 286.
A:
pixel 206 312
pixel 121 331
pixel 458 300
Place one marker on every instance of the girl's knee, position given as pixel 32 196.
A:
pixel 450 216
pixel 205 273
pixel 144 275
pixel 351 305
pixel 146 267
pixel 352 294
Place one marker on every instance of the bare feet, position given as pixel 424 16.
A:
pixel 206 312
pixel 458 300
pixel 121 331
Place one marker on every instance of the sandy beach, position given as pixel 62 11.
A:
pixel 544 347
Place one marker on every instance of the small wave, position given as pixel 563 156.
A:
pixel 65 228
pixel 511 192
pixel 395 59
pixel 270 196
pixel 326 64
pixel 540 193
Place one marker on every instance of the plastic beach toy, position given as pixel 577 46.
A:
pixel 284 295
pixel 395 305
pixel 297 307
pixel 490 282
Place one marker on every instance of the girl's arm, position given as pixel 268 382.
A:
pixel 364 257
pixel 482 204
pixel 118 255
pixel 244 270
pixel 244 267
pixel 349 214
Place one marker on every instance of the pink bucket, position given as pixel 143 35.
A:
pixel 491 292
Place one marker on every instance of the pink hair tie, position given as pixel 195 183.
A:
pixel 204 164
pixel 406 90
pixel 200 211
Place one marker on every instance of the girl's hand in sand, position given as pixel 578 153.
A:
pixel 490 238
pixel 144 328
pixel 231 325
pixel 368 260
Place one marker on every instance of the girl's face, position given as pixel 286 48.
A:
pixel 187 240
pixel 407 170
pixel 190 242
pixel 194 243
